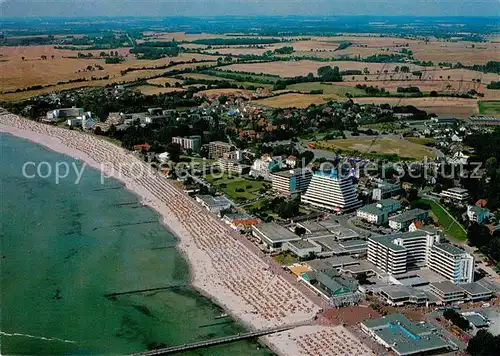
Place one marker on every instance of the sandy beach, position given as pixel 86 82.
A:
pixel 225 266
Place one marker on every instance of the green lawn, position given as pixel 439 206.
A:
pixel 285 259
pixel 236 183
pixel 489 107
pixel 450 227
pixel 421 140
pixel 332 89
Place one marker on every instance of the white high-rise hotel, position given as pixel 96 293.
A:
pixel 397 253
pixel 332 191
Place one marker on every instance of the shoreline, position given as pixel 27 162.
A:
pixel 162 219
pixel 223 268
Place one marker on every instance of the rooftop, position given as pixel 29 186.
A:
pixel 449 248
pixel 275 232
pixel 404 336
pixel 292 172
pixel 398 292
pixel 311 226
pixel 214 201
pixel 447 287
pixel 408 215
pixel 302 244
pixel 388 240
pixel 457 190
pixel 474 288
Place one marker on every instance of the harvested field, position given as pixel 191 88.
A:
pixel 303 67
pixel 152 90
pixel 292 100
pixel 462 52
pixel 384 145
pixel 213 93
pixel 441 106
pixel 16 73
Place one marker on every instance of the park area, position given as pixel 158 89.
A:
pixel 236 187
pixel 379 146
pixel 451 228
pixel 489 107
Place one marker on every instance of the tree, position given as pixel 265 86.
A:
pixel 52 56
pixel 366 71
pixel 22 58
pixel 300 231
pixel 222 99
pixel 484 344
pixel 396 70
pixel 174 150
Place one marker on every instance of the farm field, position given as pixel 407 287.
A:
pixel 213 93
pixel 304 67
pixel 204 77
pixel 420 140
pixel 292 100
pixel 17 73
pixel 397 146
pixel 153 90
pixel 489 107
pixel 441 106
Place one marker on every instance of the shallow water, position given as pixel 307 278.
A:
pixel 65 246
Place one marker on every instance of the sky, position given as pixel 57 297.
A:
pixel 84 8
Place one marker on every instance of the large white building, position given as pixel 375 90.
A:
pixel 452 262
pixel 190 142
pixel 455 194
pixel 292 182
pixel 396 253
pixel 378 213
pixel 331 191
pixel 386 190
pixel 262 167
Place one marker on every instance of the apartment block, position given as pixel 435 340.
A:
pixel 452 262
pixel 216 149
pixel 292 182
pixel 190 142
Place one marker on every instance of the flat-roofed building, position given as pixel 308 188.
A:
pixel 214 204
pixel 402 222
pixel 474 292
pixel 216 149
pixel 386 190
pixel 447 292
pixel 452 262
pixel 292 182
pixel 332 191
pixel 188 143
pixel 455 194
pixel 302 248
pixel 400 295
pixel 477 214
pixel 395 253
pixel 378 213
pixel 404 337
pixel 331 247
pixel 273 235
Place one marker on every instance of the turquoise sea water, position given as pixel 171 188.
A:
pixel 65 246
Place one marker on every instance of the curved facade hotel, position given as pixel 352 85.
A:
pixel 330 191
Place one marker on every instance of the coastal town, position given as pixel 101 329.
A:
pixel 359 251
